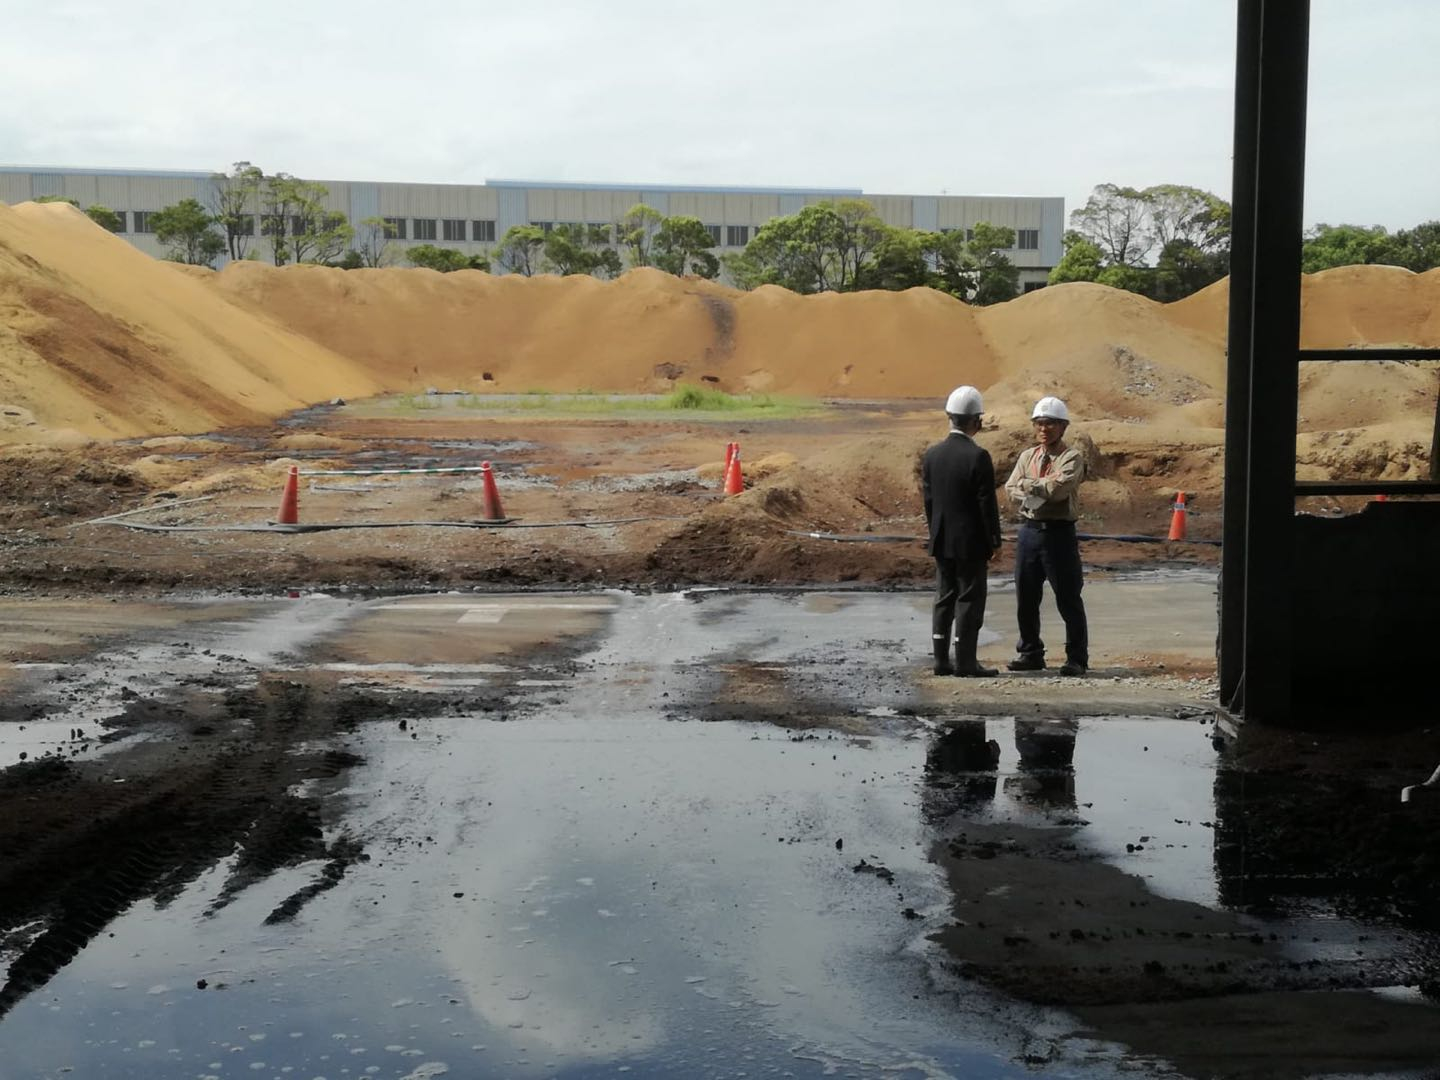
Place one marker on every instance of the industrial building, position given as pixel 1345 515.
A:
pixel 472 217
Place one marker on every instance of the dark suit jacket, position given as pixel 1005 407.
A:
pixel 959 483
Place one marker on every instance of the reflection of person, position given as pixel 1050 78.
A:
pixel 964 522
pixel 960 769
pixel 1046 773
pixel 1044 484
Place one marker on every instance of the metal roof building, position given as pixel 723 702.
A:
pixel 472 217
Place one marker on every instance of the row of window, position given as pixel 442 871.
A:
pixel 733 235
pixel 1025 239
pixel 458 230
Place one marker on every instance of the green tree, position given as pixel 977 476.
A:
pixel 298 224
pixel 636 232
pixel 1419 248
pixel 186 231
pixel 901 260
pixel 825 247
pixel 104 217
pixel 372 243
pixel 1134 279
pixel 997 279
pixel 57 198
pixel 1188 215
pixel 972 264
pixel 1184 268
pixel 1082 260
pixel 1328 246
pixel 234 204
pixel 683 245
pixel 445 260
pixel 1117 220
pixel 520 249
pixel 581 249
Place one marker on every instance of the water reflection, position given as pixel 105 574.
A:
pixel 1046 770
pixel 960 766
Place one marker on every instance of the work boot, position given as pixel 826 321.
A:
pixel 1027 663
pixel 942 659
pixel 1072 668
pixel 966 666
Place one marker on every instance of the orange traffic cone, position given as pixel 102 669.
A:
pixel 1177 517
pixel 734 478
pixel 730 449
pixel 490 498
pixel 290 499
pixel 1382 497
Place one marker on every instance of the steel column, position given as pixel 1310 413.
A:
pixel 1231 657
pixel 1275 359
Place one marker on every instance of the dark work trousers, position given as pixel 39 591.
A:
pixel 1048 551
pixel 959 601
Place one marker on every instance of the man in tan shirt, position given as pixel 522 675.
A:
pixel 1044 484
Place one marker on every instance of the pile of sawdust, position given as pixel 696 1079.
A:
pixel 99 340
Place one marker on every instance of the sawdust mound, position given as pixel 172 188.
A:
pixel 99 338
pixel 641 333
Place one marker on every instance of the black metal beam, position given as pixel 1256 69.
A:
pixel 1368 355
pixel 1274 358
pixel 1231 659
pixel 1367 487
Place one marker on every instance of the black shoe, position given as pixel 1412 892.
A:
pixel 1070 667
pixel 976 672
pixel 1027 663
pixel 942 667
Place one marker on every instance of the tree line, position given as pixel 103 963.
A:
pixel 1166 242
pixel 1170 240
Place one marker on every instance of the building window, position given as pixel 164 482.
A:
pixel 482 231
pixel 143 221
pixel 452 229
pixel 544 226
pixel 424 228
pixel 1031 286
pixel 969 236
pixel 1027 239
pixel 121 215
pixel 714 231
pixel 270 225
pixel 299 225
pixel 395 228
pixel 245 225
pixel 737 235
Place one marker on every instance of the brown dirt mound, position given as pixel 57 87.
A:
pixel 99 340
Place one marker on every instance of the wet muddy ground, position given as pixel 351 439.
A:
pixel 703 833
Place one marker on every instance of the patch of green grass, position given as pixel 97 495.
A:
pixel 698 402
pixel 416 402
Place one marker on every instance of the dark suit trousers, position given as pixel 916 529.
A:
pixel 1050 553
pixel 959 601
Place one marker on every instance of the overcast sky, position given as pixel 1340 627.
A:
pixel 1041 97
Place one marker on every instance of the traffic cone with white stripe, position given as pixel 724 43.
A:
pixel 1177 517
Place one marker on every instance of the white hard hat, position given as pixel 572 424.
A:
pixel 964 401
pixel 1052 408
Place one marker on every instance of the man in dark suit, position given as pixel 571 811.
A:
pixel 960 508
